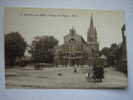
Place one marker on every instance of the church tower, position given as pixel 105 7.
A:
pixel 92 42
pixel 92 32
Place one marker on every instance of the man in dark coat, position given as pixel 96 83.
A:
pixel 95 71
pixel 100 73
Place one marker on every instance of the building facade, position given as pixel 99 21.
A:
pixel 76 50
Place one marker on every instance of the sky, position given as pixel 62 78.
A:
pixel 32 22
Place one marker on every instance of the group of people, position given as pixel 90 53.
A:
pixel 97 73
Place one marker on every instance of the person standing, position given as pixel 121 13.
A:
pixel 101 73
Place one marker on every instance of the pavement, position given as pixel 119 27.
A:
pixel 62 78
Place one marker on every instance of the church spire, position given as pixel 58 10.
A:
pixel 91 21
pixel 92 32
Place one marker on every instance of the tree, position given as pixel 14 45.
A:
pixel 15 46
pixel 111 54
pixel 42 49
pixel 105 51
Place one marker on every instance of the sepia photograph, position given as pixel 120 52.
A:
pixel 59 48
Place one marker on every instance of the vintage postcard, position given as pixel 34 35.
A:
pixel 65 48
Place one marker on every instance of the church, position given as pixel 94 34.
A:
pixel 77 51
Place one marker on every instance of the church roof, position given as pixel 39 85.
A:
pixel 72 32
